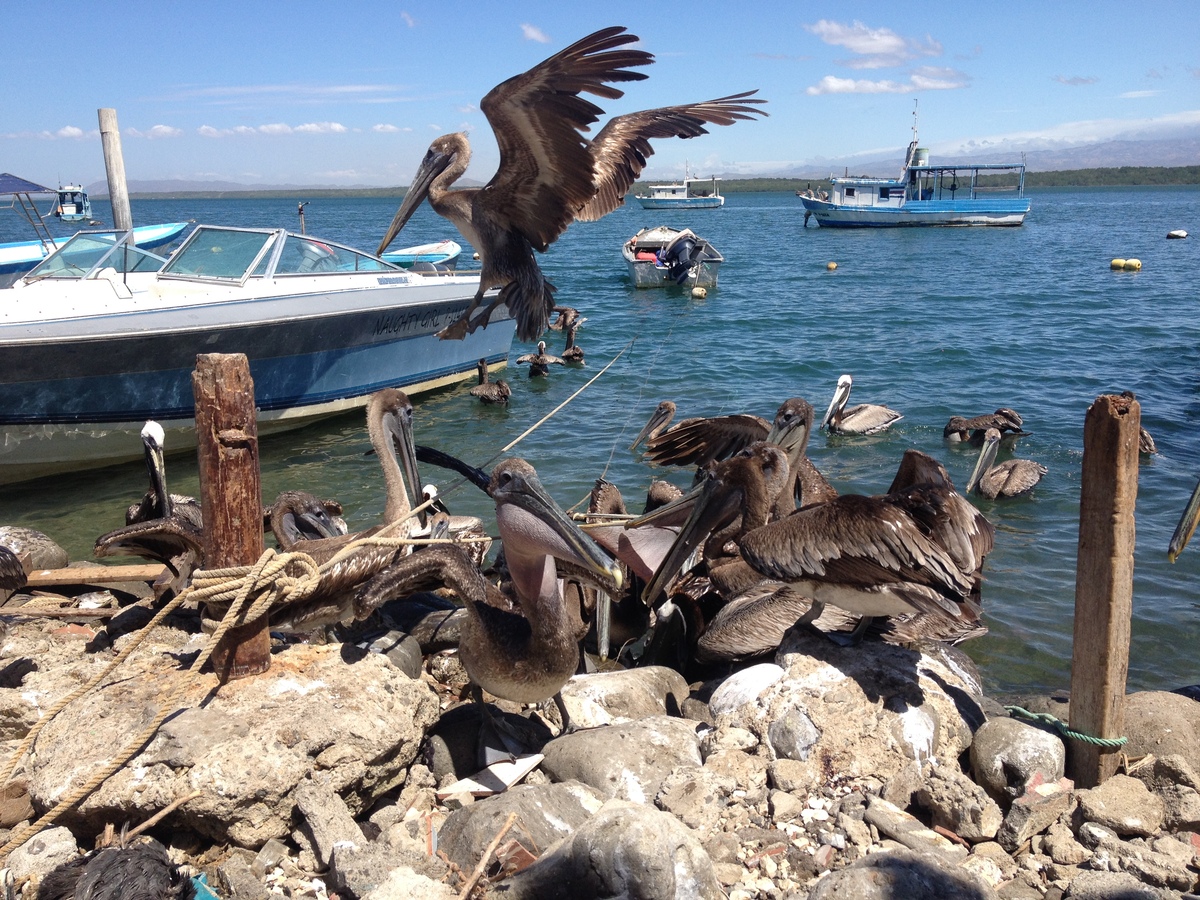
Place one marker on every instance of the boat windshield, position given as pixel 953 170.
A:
pixel 90 251
pixel 237 254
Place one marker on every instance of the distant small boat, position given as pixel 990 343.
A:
pixel 21 256
pixel 440 253
pixel 662 256
pixel 73 203
pixel 682 194
pixel 924 194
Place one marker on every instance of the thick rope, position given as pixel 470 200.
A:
pixel 1063 728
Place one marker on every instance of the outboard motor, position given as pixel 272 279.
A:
pixel 683 253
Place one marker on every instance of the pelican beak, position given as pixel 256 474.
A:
pixel 657 419
pixel 713 508
pixel 400 426
pixel 789 435
pixel 152 440
pixel 432 166
pixel 987 457
pixel 532 523
pixel 1187 525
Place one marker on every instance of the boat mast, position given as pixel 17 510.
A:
pixel 912 148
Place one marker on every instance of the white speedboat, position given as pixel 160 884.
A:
pixel 683 194
pixel 103 335
pixel 663 256
pixel 439 253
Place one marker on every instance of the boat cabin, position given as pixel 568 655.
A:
pixel 73 203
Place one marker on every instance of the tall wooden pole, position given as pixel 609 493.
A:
pixel 114 168
pixel 1104 583
pixel 230 495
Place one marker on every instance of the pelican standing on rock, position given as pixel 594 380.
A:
pixel 865 418
pixel 549 173
pixel 1008 479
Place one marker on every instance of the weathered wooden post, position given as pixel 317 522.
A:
pixel 231 496
pixel 1103 583
pixel 114 168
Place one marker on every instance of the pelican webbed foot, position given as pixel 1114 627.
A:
pixel 458 329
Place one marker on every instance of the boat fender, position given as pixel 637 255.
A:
pixel 699 293
pixel 1177 233
pixel 1133 265
pixel 830 266
pixel 1117 263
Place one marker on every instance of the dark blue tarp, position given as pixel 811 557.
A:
pixel 11 184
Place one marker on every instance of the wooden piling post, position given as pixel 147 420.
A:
pixel 1103 583
pixel 231 495
pixel 114 168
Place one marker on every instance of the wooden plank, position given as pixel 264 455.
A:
pixel 1103 583
pixel 230 495
pixel 94 575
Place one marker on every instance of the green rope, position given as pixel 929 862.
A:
pixel 1063 728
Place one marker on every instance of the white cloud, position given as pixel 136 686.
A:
pixel 1137 95
pixel 925 78
pixel 275 128
pixel 876 48
pixel 1085 131
pixel 408 20
pixel 158 131
pixel 322 128
pixel 384 128
pixel 533 33
pixel 70 131
pixel 1076 80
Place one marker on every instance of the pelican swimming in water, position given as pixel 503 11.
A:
pixel 540 362
pixel 490 391
pixel 522 648
pixel 864 418
pixel 572 352
pixel 1008 479
pixel 971 431
pixel 550 174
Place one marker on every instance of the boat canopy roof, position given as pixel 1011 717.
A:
pixel 11 184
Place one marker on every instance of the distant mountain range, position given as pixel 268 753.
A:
pixel 1172 152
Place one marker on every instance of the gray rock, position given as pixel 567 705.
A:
pixel 402 883
pixel 1060 845
pixel 1148 865
pixel 792 734
pixel 356 727
pixel 959 804
pixel 327 820
pixel 1164 724
pixel 238 881
pixel 38 548
pixel 901 873
pixel 748 772
pixel 625 850
pixel 1123 804
pixel 622 695
pixel 546 813
pixel 42 852
pixel 1033 812
pixel 627 761
pixel 908 830
pixel 696 796
pixel 1112 886
pixel 401 650
pixel 1007 754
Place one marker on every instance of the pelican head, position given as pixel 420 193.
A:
pixel 987 458
pixel 395 417
pixel 534 528
pixel 792 424
pixel 840 396
pixel 441 154
pixel 153 439
pixel 658 420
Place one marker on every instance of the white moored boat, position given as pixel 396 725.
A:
pixel 663 256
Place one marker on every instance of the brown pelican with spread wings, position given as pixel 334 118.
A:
pixel 549 173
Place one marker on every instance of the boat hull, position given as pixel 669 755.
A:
pixel 681 203
pixel 918 213
pixel 77 393
pixel 646 274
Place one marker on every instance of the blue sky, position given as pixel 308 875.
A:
pixel 326 93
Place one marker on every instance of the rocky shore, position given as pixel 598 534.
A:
pixel 826 771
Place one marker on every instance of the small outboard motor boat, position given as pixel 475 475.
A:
pixel 681 255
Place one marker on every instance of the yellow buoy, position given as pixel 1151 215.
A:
pixel 1117 264
pixel 830 266
pixel 1132 265
pixel 699 293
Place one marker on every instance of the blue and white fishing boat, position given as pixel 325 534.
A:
pixel 924 194
pixel 683 194
pixel 73 203
pixel 103 335
pixel 439 253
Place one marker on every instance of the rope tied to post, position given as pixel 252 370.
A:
pixel 1063 728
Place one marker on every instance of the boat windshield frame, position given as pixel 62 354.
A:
pixel 98 250
pixel 218 254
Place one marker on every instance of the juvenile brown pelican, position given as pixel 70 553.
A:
pixel 865 418
pixel 566 316
pixel 1187 525
pixel 962 430
pixel 297 516
pixel 549 173
pixel 540 362
pixel 1008 479
pixel 658 422
pixel 572 353
pixel 526 652
pixel 141 871
pixel 12 573
pixel 490 391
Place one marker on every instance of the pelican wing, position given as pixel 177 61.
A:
pixel 1013 477
pixel 620 150
pixel 696 442
pixel 867 418
pixel 852 540
pixel 538 117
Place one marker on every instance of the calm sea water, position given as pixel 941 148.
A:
pixel 933 322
